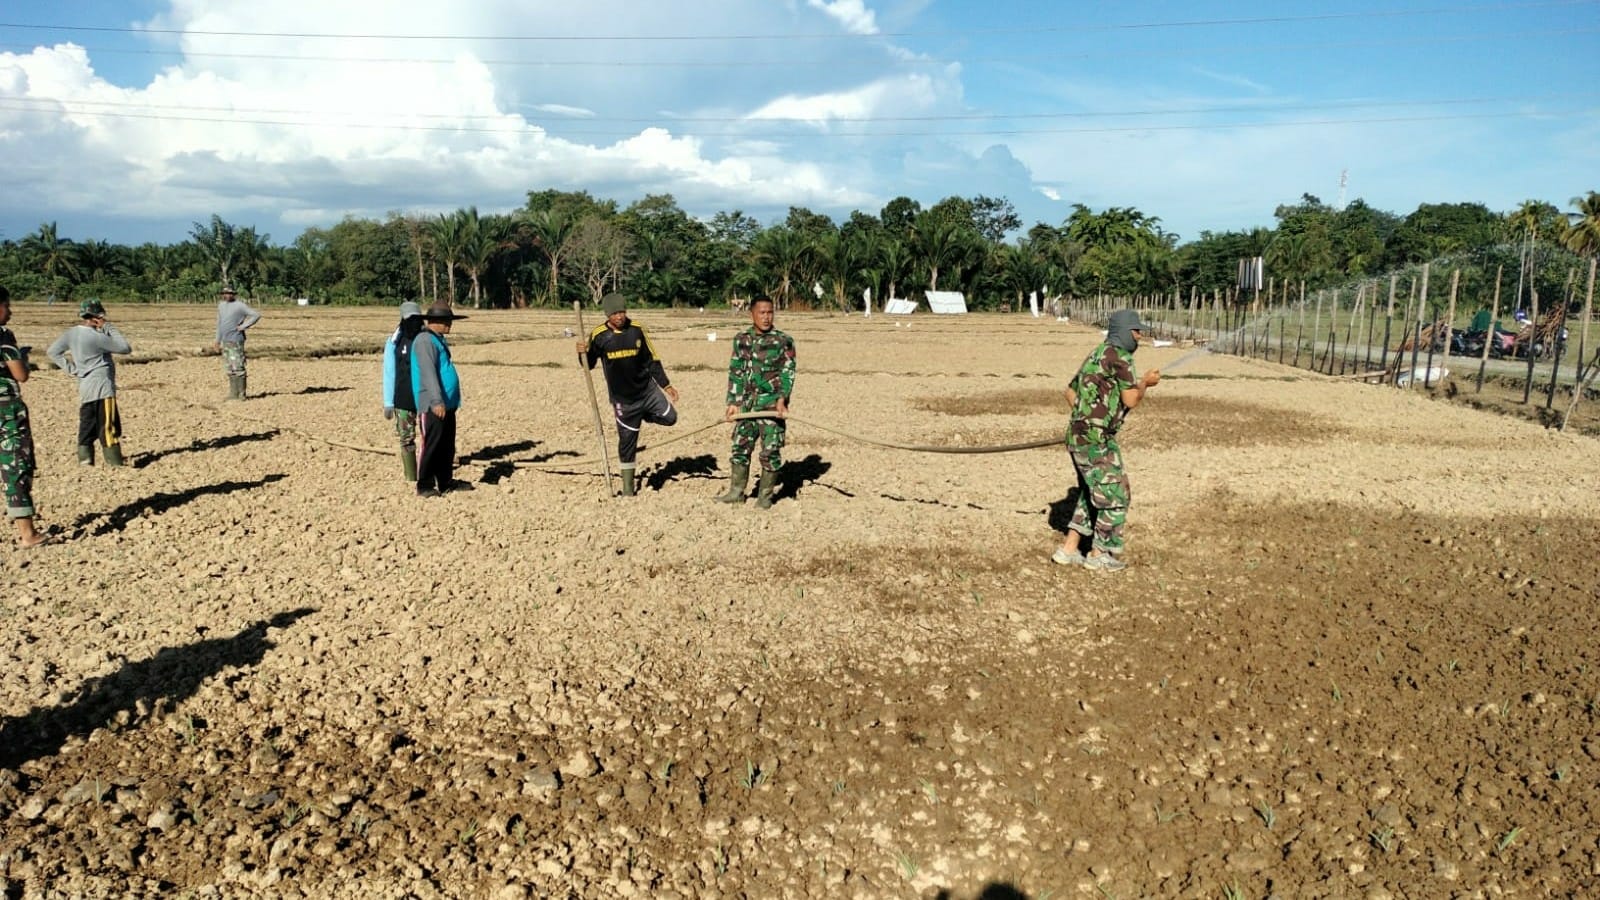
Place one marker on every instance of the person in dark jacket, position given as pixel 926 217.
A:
pixel 399 404
pixel 635 379
pixel 437 390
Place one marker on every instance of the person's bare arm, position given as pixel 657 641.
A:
pixel 1132 396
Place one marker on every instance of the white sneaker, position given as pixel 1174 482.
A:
pixel 1062 558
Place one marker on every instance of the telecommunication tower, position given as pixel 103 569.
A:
pixel 1344 179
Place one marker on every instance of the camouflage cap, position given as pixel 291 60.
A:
pixel 91 309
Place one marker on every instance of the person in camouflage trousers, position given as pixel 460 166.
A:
pixel 1100 396
pixel 760 378
pixel 16 437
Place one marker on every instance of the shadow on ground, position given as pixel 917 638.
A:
pixel 230 440
pixel 118 518
pixel 173 674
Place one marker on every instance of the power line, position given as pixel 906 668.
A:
pixel 965 33
pixel 48 103
pixel 1254 48
pixel 468 129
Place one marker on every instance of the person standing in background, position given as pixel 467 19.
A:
pixel 437 389
pixel 233 318
pixel 84 352
pixel 399 404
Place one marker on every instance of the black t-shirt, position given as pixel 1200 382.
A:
pixel 631 364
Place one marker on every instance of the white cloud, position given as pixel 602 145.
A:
pixel 890 96
pixel 852 14
pixel 560 109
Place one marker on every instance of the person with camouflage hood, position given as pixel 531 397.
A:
pixel 1100 396
pixel 16 436
pixel 84 352
pixel 760 378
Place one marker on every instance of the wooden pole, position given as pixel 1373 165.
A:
pixel 1300 333
pixel 1532 335
pixel 1372 326
pixel 1388 327
pixel 594 402
pixel 1316 333
pixel 1411 334
pixel 1560 325
pixel 1422 306
pixel 1449 323
pixel 1581 387
pixel 1489 334
pixel 1352 327
pixel 1583 336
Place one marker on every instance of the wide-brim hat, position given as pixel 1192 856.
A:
pixel 441 314
pixel 409 309
pixel 1128 319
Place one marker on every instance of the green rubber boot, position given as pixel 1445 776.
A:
pixel 113 454
pixel 769 480
pixel 244 386
pixel 627 483
pixel 736 485
pixel 234 390
pixel 408 460
pixel 86 454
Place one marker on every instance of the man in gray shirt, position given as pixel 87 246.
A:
pixel 233 317
pixel 84 352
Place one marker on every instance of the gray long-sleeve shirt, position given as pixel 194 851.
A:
pixel 90 350
pixel 233 317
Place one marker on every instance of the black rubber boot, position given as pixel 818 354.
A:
pixel 86 454
pixel 408 460
pixel 244 386
pixel 627 483
pixel 113 454
pixel 769 480
pixel 736 485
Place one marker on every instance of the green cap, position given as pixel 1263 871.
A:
pixel 91 309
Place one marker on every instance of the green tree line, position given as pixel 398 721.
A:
pixel 562 246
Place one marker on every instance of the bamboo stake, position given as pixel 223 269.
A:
pixel 1561 323
pixel 1316 333
pixel 1533 338
pixel 1582 387
pixel 1388 327
pixel 1490 333
pixel 1300 333
pixel 1449 326
pixel 594 402
pixel 1372 326
pixel 1583 336
pixel 1422 306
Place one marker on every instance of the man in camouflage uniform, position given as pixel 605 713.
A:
pixel 1100 397
pixel 760 378
pixel 16 437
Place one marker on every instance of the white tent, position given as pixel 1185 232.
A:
pixel 947 302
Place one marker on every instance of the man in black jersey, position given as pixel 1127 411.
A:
pixel 639 388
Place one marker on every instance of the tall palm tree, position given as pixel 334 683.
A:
pixel 1583 235
pixel 446 229
pixel 215 240
pixel 52 255
pixel 479 241
pixel 420 239
pixel 783 254
pixel 551 231
pixel 940 244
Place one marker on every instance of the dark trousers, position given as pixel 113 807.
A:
pixel 436 450
pixel 98 420
pixel 654 408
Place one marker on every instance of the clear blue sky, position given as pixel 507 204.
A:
pixel 130 120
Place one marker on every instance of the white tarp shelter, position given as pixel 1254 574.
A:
pixel 899 306
pixel 947 302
